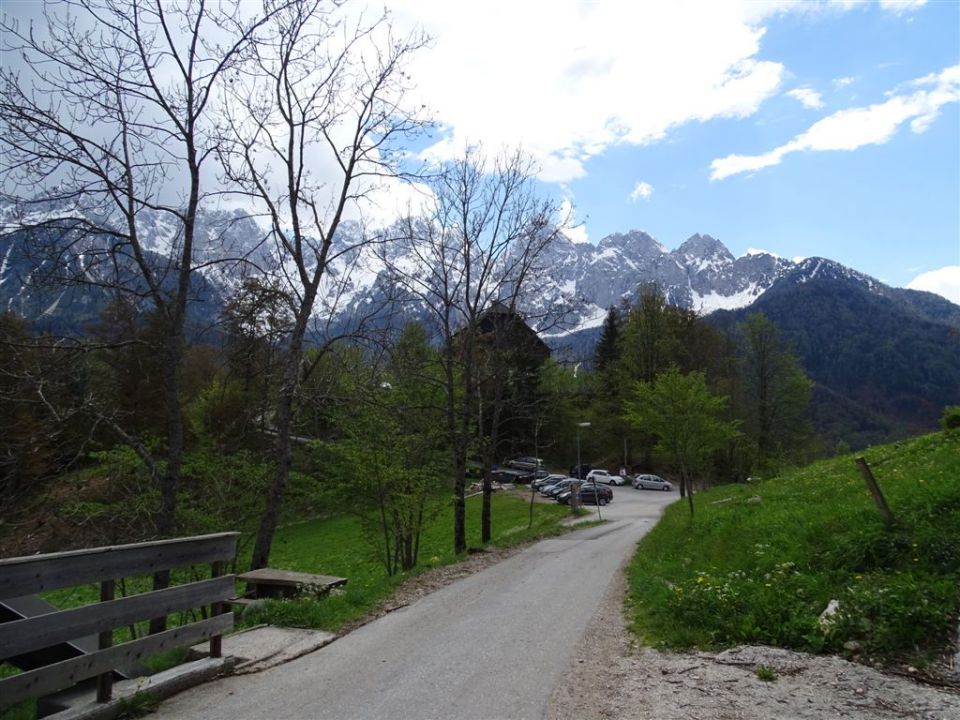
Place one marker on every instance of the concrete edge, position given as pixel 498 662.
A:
pixel 285 655
pixel 159 686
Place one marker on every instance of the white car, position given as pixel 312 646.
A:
pixel 651 482
pixel 602 476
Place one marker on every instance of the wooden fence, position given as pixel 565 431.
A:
pixel 40 573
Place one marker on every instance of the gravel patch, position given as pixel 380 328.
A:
pixel 612 677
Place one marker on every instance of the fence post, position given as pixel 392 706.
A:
pixel 216 641
pixel 874 488
pixel 105 679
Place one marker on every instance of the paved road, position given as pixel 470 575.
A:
pixel 493 645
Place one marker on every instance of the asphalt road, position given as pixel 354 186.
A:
pixel 493 645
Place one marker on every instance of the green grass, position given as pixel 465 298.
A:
pixel 335 546
pixel 23 710
pixel 763 572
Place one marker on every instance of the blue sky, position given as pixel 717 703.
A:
pixel 802 128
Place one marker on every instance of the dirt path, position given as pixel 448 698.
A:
pixel 613 678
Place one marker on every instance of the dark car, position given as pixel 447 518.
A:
pixel 589 495
pixel 509 475
pixel 593 494
pixel 546 487
pixel 580 471
pixel 560 487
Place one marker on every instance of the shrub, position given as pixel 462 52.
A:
pixel 950 420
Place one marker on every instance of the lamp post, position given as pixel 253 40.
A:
pixel 580 425
pixel 579 465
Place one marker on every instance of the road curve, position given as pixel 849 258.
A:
pixel 493 645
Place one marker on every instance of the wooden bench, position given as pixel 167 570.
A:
pixel 270 583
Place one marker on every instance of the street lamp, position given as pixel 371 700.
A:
pixel 580 425
pixel 579 467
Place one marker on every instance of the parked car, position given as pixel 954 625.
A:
pixel 542 482
pixel 559 487
pixel 547 488
pixel 510 475
pixel 602 476
pixel 525 463
pixel 581 470
pixel 589 495
pixel 651 482
pixel 594 494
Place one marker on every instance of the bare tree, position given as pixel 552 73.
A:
pixel 105 135
pixel 310 124
pixel 479 244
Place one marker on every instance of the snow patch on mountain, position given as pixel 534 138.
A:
pixel 706 304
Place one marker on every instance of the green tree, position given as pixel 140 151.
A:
pixel 775 395
pixel 608 346
pixel 389 459
pixel 686 418
pixel 651 341
pixel 482 242
pixel 314 75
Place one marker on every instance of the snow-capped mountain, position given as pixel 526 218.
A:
pixel 573 287
pixel 575 283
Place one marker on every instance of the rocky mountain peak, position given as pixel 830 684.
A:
pixel 634 242
pixel 704 247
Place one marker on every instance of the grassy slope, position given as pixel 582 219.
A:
pixel 763 572
pixel 336 546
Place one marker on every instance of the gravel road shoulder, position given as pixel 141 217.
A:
pixel 612 677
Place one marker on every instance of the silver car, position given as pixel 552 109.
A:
pixel 602 476
pixel 651 482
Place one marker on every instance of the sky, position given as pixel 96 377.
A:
pixel 802 128
pixel 805 128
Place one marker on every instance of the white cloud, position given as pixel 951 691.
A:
pixel 901 6
pixel 758 251
pixel 575 230
pixel 808 97
pixel 568 79
pixel 944 282
pixel 842 82
pixel 642 191
pixel 768 8
pixel 855 127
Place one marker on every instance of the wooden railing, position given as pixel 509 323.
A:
pixel 40 573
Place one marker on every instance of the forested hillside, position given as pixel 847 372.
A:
pixel 884 367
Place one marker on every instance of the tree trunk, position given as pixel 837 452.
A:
pixel 170 481
pixel 460 505
pixel 485 511
pixel 282 449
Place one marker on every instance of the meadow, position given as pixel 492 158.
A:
pixel 759 562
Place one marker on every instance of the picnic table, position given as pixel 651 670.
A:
pixel 271 583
